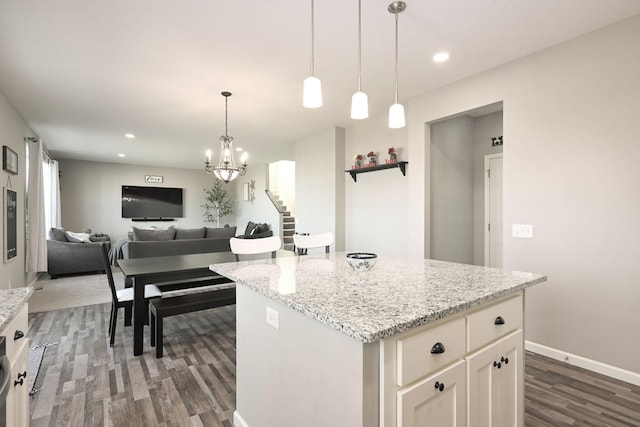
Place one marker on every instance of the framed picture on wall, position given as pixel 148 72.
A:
pixel 9 160
pixel 10 222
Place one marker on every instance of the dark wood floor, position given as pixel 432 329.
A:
pixel 84 382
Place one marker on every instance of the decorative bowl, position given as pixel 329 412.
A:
pixel 361 261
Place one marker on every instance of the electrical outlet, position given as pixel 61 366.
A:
pixel 273 318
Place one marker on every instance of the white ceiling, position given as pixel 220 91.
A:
pixel 83 73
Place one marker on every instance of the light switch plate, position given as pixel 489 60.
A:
pixel 524 231
pixel 273 318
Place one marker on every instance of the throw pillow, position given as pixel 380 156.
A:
pixel 190 233
pixel 261 228
pixel 249 229
pixel 220 233
pixel 153 235
pixel 58 234
pixel 77 237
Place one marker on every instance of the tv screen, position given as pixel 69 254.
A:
pixel 151 202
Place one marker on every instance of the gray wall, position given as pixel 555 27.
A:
pixel 13 130
pixel 571 169
pixel 91 193
pixel 451 171
pixel 319 185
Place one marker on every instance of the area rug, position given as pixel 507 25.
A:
pixel 72 291
pixel 36 354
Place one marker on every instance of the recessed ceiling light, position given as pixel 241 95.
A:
pixel 121 155
pixel 441 56
pixel 129 135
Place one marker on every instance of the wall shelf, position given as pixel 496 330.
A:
pixel 401 165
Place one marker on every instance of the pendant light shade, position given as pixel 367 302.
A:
pixel 359 106
pixel 396 111
pixel 312 92
pixel 312 87
pixel 396 116
pixel 359 100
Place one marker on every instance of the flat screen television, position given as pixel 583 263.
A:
pixel 151 203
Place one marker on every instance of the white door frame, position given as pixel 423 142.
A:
pixel 487 159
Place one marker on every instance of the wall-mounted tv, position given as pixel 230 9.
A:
pixel 151 203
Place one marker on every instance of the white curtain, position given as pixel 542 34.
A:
pixel 51 177
pixel 36 232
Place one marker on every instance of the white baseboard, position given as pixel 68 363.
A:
pixel 583 362
pixel 238 421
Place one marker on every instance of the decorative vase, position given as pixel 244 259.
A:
pixel 392 157
pixel 358 164
pixel 372 160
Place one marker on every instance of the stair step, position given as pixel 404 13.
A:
pixel 288 240
pixel 288 233
pixel 288 247
pixel 288 219
pixel 286 213
pixel 289 226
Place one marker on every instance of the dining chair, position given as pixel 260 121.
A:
pixel 255 246
pixel 122 297
pixel 310 241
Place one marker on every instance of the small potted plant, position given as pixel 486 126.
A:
pixel 358 161
pixel 372 158
pixel 392 155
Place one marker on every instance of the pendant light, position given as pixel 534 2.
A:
pixel 359 100
pixel 312 87
pixel 226 169
pixel 396 111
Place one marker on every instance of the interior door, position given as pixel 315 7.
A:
pixel 493 211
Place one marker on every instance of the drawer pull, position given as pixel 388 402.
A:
pixel 439 386
pixel 17 335
pixel 438 348
pixel 499 321
pixel 505 360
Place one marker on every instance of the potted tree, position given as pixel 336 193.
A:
pixel 216 203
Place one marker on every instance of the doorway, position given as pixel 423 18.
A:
pixel 457 228
pixel 493 210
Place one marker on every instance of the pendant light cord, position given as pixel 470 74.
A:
pixel 396 57
pixel 359 45
pixel 312 36
pixel 226 127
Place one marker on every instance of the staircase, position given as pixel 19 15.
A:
pixel 287 222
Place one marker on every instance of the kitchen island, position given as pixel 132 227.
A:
pixel 409 342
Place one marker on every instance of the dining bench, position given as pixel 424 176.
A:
pixel 181 304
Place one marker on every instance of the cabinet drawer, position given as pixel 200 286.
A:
pixel 493 322
pixel 419 354
pixel 18 323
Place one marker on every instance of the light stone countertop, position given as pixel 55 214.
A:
pixel 11 301
pixel 396 295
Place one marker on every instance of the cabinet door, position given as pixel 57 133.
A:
pixel 425 404
pixel 17 403
pixel 494 381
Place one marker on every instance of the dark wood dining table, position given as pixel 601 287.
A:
pixel 154 270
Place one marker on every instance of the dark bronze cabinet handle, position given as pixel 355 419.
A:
pixel 21 377
pixel 497 364
pixel 439 386
pixel 438 348
pixel 505 360
pixel 17 335
pixel 499 321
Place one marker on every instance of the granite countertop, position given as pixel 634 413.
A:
pixel 396 295
pixel 11 300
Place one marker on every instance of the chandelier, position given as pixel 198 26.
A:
pixel 226 169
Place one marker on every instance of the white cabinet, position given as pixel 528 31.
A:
pixel 494 374
pixel 477 379
pixel 438 400
pixel 17 402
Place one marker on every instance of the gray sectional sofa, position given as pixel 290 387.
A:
pixel 175 241
pixel 73 257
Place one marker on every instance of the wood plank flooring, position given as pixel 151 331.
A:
pixel 84 382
